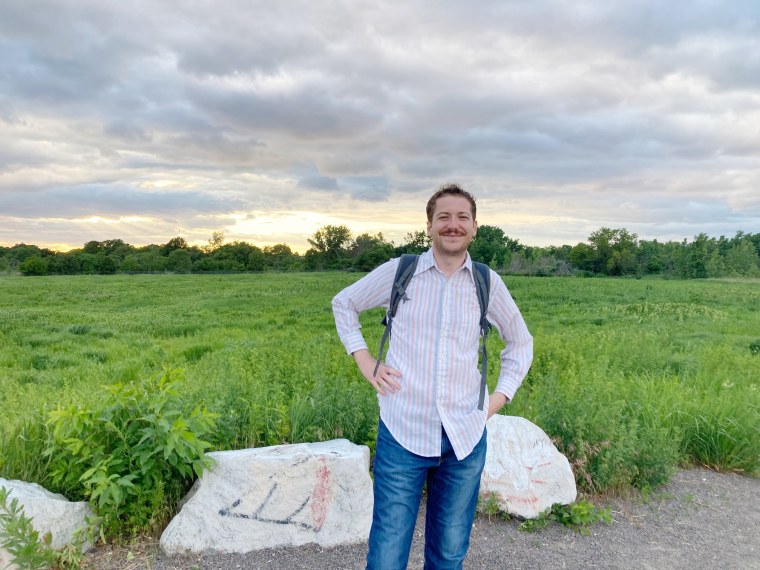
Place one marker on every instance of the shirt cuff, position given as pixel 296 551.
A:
pixel 508 387
pixel 353 342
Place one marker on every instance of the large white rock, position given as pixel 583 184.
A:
pixel 524 469
pixel 49 512
pixel 285 495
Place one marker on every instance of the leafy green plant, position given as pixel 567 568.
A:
pixel 30 551
pixel 134 456
pixel 17 535
pixel 490 506
pixel 578 516
pixel 534 525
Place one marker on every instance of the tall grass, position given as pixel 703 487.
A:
pixel 630 377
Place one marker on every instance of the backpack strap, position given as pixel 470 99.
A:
pixel 482 276
pixel 404 271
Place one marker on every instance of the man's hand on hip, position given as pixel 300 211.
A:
pixel 385 382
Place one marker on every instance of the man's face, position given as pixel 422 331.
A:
pixel 452 227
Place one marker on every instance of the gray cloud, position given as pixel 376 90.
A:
pixel 319 182
pixel 113 200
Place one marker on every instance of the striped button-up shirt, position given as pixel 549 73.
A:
pixel 434 345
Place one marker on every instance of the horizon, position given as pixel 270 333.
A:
pixel 63 248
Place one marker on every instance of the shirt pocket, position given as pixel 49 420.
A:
pixel 465 323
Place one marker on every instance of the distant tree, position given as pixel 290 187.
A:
pixel 280 257
pixel 561 252
pixel 670 253
pixel 694 257
pixel 648 257
pixel 331 239
pixel 716 264
pixel 414 242
pixel 583 257
pixel 215 242
pixel 490 246
pixel 34 265
pixel 370 251
pixel 116 248
pixel 205 264
pixel 105 264
pixel 149 259
pixel 621 262
pixel 67 263
pixel 86 262
pixel 21 251
pixel 742 259
pixel 112 248
pixel 92 247
pixel 614 251
pixel 755 239
pixel 256 260
pixel 329 248
pixel 179 261
pixel 237 256
pixel 131 264
pixel 174 244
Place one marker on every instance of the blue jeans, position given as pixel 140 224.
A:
pixel 452 489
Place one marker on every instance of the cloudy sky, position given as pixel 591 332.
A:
pixel 144 120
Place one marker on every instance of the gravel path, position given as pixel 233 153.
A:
pixel 700 520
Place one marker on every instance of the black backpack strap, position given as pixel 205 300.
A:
pixel 406 266
pixel 482 276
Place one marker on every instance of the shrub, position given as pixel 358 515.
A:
pixel 134 457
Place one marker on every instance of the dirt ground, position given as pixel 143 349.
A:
pixel 700 520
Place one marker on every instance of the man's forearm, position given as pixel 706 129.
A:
pixel 496 402
pixel 363 358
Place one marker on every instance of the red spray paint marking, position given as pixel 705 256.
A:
pixel 321 496
pixel 522 500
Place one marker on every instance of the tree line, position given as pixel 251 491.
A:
pixel 614 252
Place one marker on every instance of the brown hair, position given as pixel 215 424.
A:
pixel 449 190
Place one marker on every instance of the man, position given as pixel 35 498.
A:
pixel 431 431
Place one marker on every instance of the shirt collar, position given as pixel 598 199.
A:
pixel 426 261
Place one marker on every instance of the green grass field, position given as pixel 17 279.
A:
pixel 630 377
